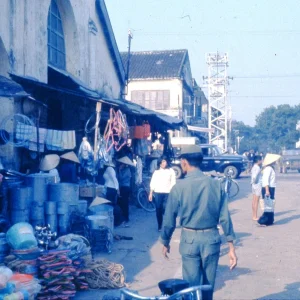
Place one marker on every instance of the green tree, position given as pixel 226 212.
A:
pixel 275 129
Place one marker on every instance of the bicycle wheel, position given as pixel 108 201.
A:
pixel 233 189
pixel 142 197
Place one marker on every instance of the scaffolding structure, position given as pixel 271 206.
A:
pixel 217 82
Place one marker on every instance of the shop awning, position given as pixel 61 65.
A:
pixel 9 88
pixel 200 129
pixel 66 83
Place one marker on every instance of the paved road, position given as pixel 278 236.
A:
pixel 268 266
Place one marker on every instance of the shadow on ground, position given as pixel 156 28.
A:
pixel 286 220
pixel 240 236
pixel 291 291
pixel 224 274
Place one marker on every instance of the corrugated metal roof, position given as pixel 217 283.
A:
pixel 9 88
pixel 155 64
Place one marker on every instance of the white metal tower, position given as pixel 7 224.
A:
pixel 217 82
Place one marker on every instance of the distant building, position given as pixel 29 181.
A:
pixel 162 81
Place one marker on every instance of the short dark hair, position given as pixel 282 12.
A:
pixel 257 158
pixel 194 159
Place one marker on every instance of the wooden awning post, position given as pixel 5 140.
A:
pixel 98 117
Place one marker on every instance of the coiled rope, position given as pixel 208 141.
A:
pixel 105 275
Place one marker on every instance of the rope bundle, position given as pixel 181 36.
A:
pixel 105 275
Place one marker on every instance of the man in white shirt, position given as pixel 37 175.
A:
pixel 256 185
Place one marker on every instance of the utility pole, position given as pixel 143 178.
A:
pixel 218 110
pixel 130 37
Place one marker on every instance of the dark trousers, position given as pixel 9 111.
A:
pixel 268 217
pixel 124 201
pixel 160 201
pixel 200 253
pixel 111 195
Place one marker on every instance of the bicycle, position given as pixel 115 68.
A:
pixel 230 186
pixel 174 289
pixel 142 196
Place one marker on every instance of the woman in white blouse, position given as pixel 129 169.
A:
pixel 161 184
pixel 268 189
pixel 111 183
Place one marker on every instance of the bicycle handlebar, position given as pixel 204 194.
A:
pixel 194 289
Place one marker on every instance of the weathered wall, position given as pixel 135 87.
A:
pixel 174 86
pixel 23 30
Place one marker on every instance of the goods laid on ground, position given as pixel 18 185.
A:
pixel 34 273
pixel 105 275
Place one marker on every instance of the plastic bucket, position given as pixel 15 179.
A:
pixel 82 206
pixel 63 192
pixel 62 208
pixel 4 247
pixel 19 215
pixel 21 236
pixel 20 197
pixel 97 221
pixel 39 184
pixel 103 209
pixel 50 208
pixel 52 221
pixel 37 211
pixel 63 223
pixel 73 208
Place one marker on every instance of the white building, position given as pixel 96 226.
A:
pixel 162 81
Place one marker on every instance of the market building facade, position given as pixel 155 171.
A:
pixel 61 52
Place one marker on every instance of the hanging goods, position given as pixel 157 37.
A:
pixel 86 156
pixel 17 130
pixel 116 131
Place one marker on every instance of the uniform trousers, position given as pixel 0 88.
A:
pixel 200 252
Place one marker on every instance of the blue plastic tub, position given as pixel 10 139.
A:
pixel 21 236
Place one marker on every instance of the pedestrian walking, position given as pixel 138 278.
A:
pixel 201 204
pixel 124 176
pixel 162 181
pixel 256 178
pixel 268 189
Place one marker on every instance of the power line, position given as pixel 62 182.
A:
pixel 201 33
pixel 267 76
pixel 233 96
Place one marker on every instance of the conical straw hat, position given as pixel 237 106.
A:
pixel 71 156
pixel 270 159
pixel 126 161
pixel 49 162
pixel 98 201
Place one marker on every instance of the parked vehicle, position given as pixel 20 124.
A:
pixel 290 160
pixel 213 160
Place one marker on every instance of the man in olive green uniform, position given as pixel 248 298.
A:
pixel 201 205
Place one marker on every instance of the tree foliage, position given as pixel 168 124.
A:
pixel 275 129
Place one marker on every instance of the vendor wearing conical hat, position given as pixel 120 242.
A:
pixel 124 176
pixel 68 167
pixel 49 164
pixel 268 189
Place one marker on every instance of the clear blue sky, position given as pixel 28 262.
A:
pixel 262 38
